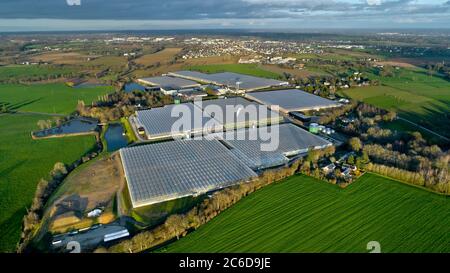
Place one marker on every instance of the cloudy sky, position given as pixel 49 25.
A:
pixel 25 15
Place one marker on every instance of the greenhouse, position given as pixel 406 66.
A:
pixel 292 100
pixel 170 170
pixel 267 147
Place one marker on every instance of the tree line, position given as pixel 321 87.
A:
pixel 44 189
pixel 114 106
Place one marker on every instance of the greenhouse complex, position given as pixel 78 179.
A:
pixel 194 148
pixel 170 170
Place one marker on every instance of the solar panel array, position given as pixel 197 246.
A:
pixel 230 79
pixel 292 100
pixel 170 170
pixel 280 141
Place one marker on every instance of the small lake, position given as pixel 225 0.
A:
pixel 74 126
pixel 114 137
pixel 132 86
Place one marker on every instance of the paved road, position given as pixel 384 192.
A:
pixel 423 128
pixel 86 240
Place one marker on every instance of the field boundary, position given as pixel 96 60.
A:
pixel 423 128
pixel 405 183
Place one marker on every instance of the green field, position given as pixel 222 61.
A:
pixel 48 98
pixel 26 71
pixel 403 126
pixel 302 214
pixel 23 162
pixel 247 69
pixel 414 95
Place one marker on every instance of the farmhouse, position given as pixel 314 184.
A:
pixel 233 81
pixel 170 170
pixel 292 100
pixel 170 85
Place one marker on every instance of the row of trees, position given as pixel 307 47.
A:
pixel 104 114
pixel 38 78
pixel 3 108
pixel 414 178
pixel 49 123
pixel 44 189
pixel 407 153
pixel 409 168
pixel 43 192
pixel 120 104
pixel 332 115
pixel 380 154
pixel 177 226
pixel 366 124
pixel 441 68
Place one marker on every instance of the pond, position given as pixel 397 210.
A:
pixel 132 86
pixel 115 137
pixel 77 125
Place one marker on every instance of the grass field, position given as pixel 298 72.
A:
pixel 248 69
pixel 97 182
pixel 163 56
pixel 23 162
pixel 304 73
pixel 302 214
pixel 170 67
pixel 48 98
pixel 403 126
pixel 62 58
pixel 25 71
pixel 114 62
pixel 414 95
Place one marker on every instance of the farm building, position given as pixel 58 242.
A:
pixel 170 85
pixel 170 170
pixel 281 142
pixel 192 94
pixel 234 81
pixel 292 100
